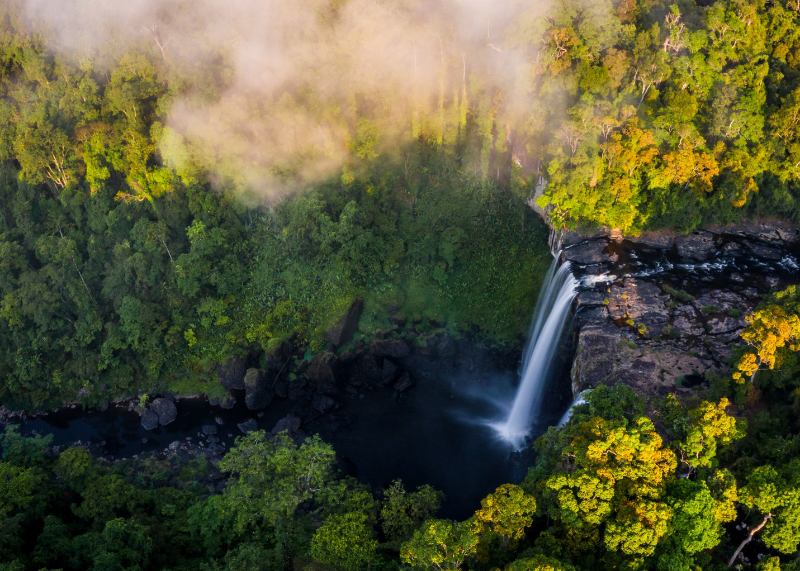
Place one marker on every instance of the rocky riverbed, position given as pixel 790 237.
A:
pixel 661 312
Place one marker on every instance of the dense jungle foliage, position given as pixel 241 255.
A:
pixel 124 269
pixel 120 274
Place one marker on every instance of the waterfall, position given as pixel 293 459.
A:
pixel 549 317
pixel 579 399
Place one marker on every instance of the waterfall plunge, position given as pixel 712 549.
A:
pixel 549 317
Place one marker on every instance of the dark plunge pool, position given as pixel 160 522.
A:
pixel 435 433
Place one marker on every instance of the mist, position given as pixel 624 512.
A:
pixel 302 89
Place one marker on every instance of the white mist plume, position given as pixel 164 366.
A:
pixel 298 75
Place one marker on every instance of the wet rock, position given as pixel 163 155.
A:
pixel 258 392
pixel 389 372
pixel 149 420
pixel 281 386
pixel 590 252
pixel 447 348
pixel 403 383
pixel 248 426
pixel 165 409
pixel 774 231
pixel 175 445
pixel 346 327
pixel 321 373
pixel 590 299
pixel 323 403
pixel 209 429
pixel 596 315
pixel 217 449
pixel 697 246
pixel 231 373
pixel 227 402
pixel 394 348
pixel 367 370
pixel 765 252
pixel 296 389
pixel 289 423
pixel 347 357
pixel 655 240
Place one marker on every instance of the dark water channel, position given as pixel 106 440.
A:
pixel 733 263
pixel 436 433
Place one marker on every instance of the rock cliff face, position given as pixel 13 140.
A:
pixel 660 313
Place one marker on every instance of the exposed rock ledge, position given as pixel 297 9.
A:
pixel 664 333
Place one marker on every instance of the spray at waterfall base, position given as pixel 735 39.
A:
pixel 549 318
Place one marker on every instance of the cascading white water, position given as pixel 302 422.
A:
pixel 578 400
pixel 549 317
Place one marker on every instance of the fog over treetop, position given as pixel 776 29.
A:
pixel 304 84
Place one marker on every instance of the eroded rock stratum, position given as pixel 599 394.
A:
pixel 662 313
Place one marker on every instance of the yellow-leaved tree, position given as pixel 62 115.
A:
pixel 772 332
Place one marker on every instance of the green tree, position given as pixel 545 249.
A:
pixel 344 542
pixel 273 476
pixel 776 500
pixel 439 545
pixel 539 563
pixel 401 512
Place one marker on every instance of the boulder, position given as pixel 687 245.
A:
pixel 209 429
pixel 389 372
pixel 346 357
pixel 764 252
pixel 281 386
pixel 590 252
pixel 323 403
pixel 654 240
pixel 165 409
pixel 149 420
pixel 366 370
pixel 248 425
pixel 258 390
pixel 289 423
pixel 175 445
pixel 346 327
pixel 697 246
pixel 217 449
pixel 231 373
pixel 296 389
pixel 403 383
pixel 321 373
pixel 394 348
